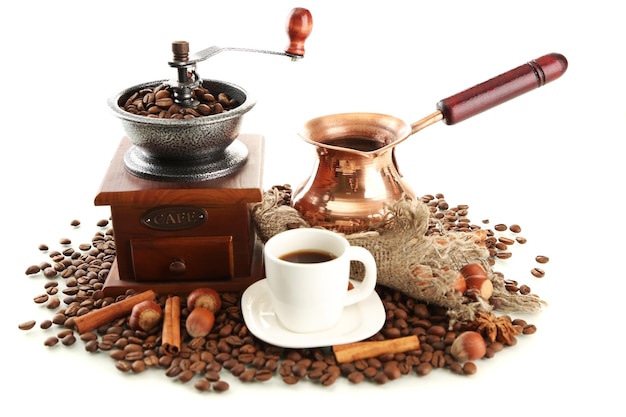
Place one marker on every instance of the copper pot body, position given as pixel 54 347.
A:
pixel 355 177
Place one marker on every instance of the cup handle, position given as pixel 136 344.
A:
pixel 365 287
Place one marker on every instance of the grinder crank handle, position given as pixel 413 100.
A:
pixel 299 26
pixel 502 88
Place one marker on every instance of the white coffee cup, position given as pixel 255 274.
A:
pixel 310 297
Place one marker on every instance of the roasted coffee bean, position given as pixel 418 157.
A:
pixel 151 360
pixel 263 375
pixel 506 240
pixel 456 368
pixel 40 299
pixel 356 377
pixel 212 375
pixel 27 325
pixel 68 340
pixel 51 341
pixel 515 228
pixel 173 371
pixel 138 366
pixel 202 385
pixel 185 376
pixel 50 272
pixel 423 368
pixel 33 269
pixel 290 379
pixel 53 302
pixel 469 368
pixel 529 329
pixel 247 375
pixel 123 366
pixel 542 259
pixel 221 386
pixel 238 369
pixel 538 272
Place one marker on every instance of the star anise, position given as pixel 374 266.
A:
pixel 494 328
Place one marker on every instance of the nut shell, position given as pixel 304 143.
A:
pixel 204 298
pixel 482 287
pixel 468 346
pixel 145 315
pixel 473 270
pixel 199 322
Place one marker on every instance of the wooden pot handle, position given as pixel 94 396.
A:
pixel 502 88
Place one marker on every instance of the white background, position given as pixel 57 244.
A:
pixel 550 160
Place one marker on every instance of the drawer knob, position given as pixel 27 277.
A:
pixel 178 267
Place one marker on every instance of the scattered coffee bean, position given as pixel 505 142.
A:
pixel 538 272
pixel 51 341
pixel 27 325
pixel 220 386
pixel 42 298
pixel 202 384
pixel 33 269
pixel 53 303
pixel 542 259
pixel 515 228
pixel 469 368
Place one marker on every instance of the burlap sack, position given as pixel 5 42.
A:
pixel 408 260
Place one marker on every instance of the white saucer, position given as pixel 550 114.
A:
pixel 358 321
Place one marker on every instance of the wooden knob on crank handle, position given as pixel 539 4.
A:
pixel 502 88
pixel 299 27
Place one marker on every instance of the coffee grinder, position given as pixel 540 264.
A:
pixel 180 190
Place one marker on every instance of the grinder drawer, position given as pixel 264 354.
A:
pixel 182 258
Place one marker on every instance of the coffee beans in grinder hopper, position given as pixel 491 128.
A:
pixel 230 349
pixel 159 102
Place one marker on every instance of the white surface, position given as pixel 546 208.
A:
pixel 357 322
pixel 550 160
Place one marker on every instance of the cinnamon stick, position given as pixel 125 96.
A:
pixel 170 337
pixel 363 350
pixel 104 315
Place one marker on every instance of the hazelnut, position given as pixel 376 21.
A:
pixel 476 281
pixel 468 346
pixel 473 270
pixel 199 322
pixel 145 315
pixel 206 298
pixel 459 283
pixel 477 286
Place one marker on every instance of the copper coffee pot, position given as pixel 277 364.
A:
pixel 355 178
